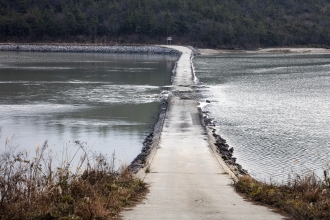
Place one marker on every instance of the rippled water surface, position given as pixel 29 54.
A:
pixel 274 109
pixel 110 101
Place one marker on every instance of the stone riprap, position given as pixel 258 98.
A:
pixel 222 147
pixel 89 49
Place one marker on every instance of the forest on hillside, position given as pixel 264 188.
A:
pixel 201 23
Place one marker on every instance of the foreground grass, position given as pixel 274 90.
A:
pixel 305 197
pixel 33 189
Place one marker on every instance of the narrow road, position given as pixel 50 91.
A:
pixel 186 180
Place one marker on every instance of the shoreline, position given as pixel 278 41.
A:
pixel 87 49
pixel 146 48
pixel 306 50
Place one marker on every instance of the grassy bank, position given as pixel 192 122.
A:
pixel 37 189
pixel 302 197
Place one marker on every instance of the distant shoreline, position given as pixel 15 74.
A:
pixel 141 48
pixel 268 50
pixel 71 48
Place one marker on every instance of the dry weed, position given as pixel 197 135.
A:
pixel 37 189
pixel 302 197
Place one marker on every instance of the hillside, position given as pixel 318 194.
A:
pixel 202 23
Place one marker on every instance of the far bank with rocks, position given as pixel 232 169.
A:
pixel 88 49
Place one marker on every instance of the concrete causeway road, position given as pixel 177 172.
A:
pixel 186 179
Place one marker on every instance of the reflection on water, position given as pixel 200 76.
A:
pixel 274 109
pixel 110 101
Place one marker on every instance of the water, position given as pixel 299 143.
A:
pixel 109 101
pixel 274 109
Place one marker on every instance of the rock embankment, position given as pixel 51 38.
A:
pixel 223 148
pixel 89 49
pixel 150 142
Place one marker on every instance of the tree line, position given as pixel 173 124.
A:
pixel 201 23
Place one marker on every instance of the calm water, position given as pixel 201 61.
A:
pixel 110 101
pixel 274 109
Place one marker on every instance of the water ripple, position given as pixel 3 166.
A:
pixel 274 110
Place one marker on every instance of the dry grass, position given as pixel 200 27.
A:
pixel 35 189
pixel 306 197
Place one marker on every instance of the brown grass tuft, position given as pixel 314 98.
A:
pixel 35 189
pixel 306 197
